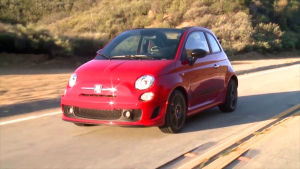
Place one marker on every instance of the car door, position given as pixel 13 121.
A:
pixel 202 75
pixel 220 56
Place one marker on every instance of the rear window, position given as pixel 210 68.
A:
pixel 213 43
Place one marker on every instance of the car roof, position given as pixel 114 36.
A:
pixel 184 28
pixel 158 28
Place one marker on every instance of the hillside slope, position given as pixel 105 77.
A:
pixel 242 25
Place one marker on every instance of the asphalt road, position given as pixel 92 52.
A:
pixel 285 155
pixel 48 142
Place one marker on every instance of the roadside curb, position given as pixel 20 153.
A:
pixel 230 145
pixel 236 152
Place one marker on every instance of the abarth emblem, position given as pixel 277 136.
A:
pixel 97 88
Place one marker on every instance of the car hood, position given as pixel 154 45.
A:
pixel 124 69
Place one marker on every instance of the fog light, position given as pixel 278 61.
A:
pixel 127 114
pixel 71 110
pixel 147 96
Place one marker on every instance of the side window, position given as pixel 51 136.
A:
pixel 127 46
pixel 213 43
pixel 196 40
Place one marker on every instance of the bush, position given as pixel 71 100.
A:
pixel 267 37
pixel 234 30
pixel 289 40
pixel 20 39
pixel 84 26
pixel 195 13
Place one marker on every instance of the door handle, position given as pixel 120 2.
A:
pixel 216 66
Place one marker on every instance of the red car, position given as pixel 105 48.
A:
pixel 152 77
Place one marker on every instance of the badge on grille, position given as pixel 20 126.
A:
pixel 97 88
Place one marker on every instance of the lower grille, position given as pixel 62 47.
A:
pixel 98 113
pixel 101 114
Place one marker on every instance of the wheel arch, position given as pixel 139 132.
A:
pixel 234 77
pixel 184 92
pixel 165 127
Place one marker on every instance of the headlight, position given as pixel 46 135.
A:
pixel 144 82
pixel 72 80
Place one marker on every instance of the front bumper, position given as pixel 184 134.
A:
pixel 104 111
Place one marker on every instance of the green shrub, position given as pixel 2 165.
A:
pixel 234 30
pixel 289 40
pixel 195 13
pixel 7 41
pixel 83 26
pixel 20 39
pixel 267 37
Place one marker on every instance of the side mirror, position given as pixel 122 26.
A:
pixel 198 53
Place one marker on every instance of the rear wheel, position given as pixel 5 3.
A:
pixel 176 113
pixel 231 98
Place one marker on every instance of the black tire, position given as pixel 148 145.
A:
pixel 231 98
pixel 83 125
pixel 176 113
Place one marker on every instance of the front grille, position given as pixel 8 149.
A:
pixel 97 95
pixel 98 113
pixel 101 114
pixel 137 114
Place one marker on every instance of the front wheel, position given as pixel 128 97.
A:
pixel 176 113
pixel 231 98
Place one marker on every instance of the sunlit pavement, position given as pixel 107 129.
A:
pixel 280 149
pixel 48 142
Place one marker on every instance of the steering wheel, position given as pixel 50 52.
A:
pixel 155 48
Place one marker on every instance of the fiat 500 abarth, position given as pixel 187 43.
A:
pixel 152 77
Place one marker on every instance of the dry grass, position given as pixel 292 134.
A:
pixel 81 27
pixel 27 88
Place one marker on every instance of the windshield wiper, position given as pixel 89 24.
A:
pixel 103 55
pixel 98 52
pixel 133 57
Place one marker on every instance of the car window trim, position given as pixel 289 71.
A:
pixel 188 37
pixel 206 32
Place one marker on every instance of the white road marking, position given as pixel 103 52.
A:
pixel 55 113
pixel 28 118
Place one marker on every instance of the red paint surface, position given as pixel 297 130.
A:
pixel 204 83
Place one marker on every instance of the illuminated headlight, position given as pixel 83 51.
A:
pixel 147 96
pixel 72 80
pixel 144 82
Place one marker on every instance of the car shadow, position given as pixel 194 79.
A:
pixel 250 109
pixel 246 111
pixel 240 72
pixel 28 107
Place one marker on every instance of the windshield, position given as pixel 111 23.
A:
pixel 143 44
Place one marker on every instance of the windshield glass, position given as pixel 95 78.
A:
pixel 143 44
